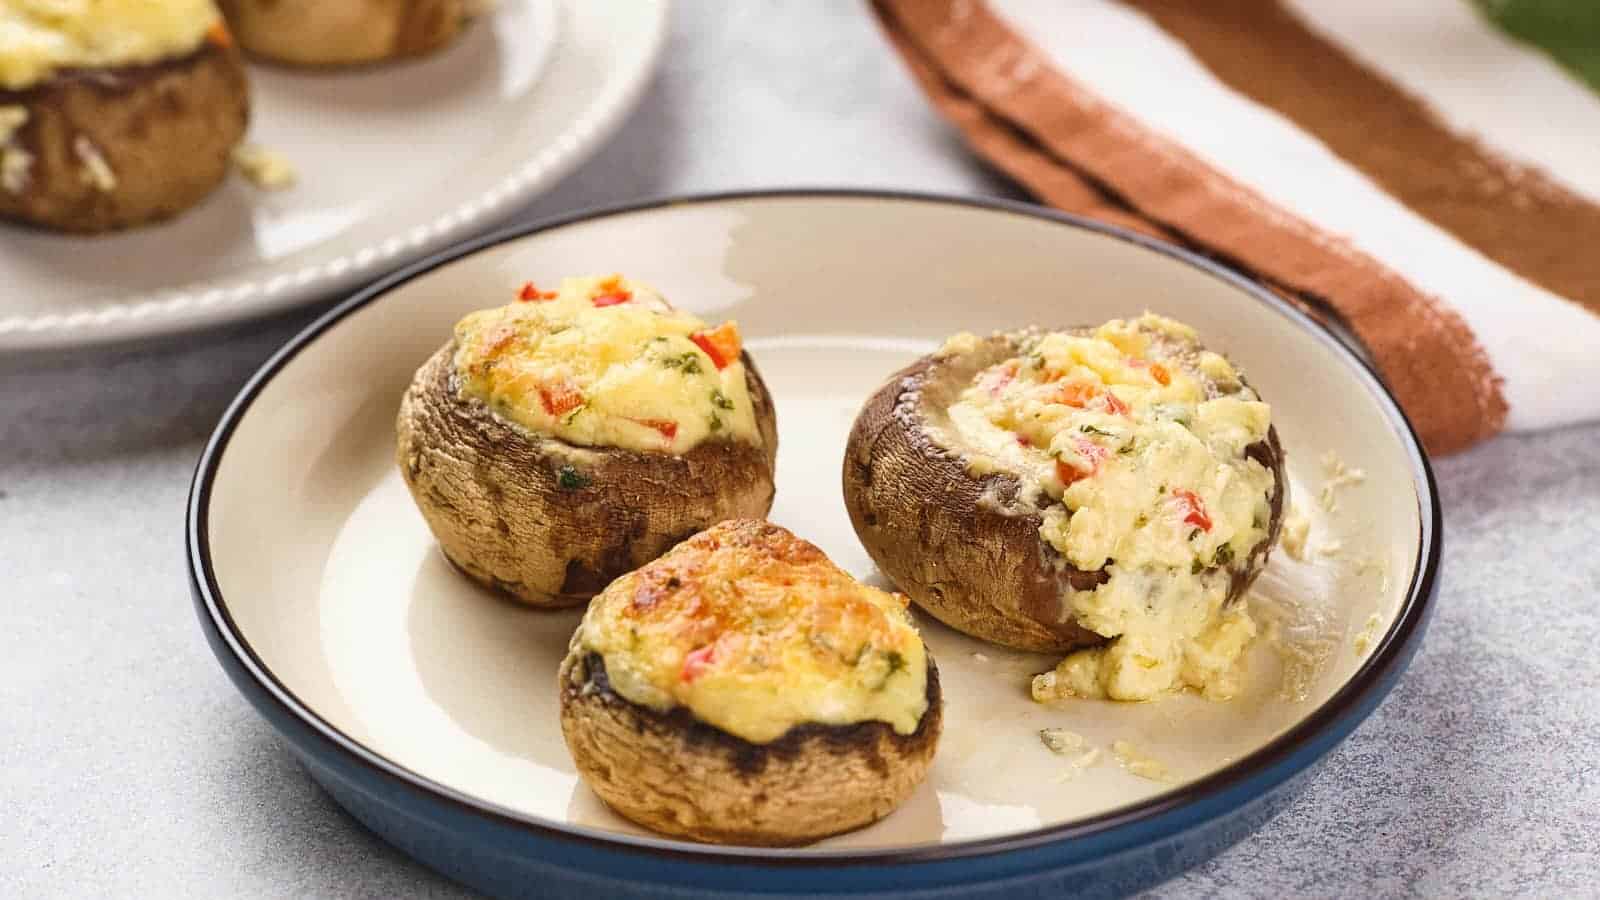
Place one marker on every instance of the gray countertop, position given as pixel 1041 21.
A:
pixel 130 767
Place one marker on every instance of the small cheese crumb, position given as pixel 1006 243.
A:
pixel 16 164
pixel 1339 475
pixel 1367 634
pixel 16 169
pixel 12 118
pixel 96 171
pixel 1296 528
pixel 1075 747
pixel 265 168
pixel 1061 741
pixel 980 657
pixel 1303 660
pixel 1138 763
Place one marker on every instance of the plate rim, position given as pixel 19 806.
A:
pixel 266 288
pixel 1274 762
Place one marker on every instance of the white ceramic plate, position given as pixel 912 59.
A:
pixel 318 575
pixel 395 162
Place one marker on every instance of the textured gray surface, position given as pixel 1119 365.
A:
pixel 130 767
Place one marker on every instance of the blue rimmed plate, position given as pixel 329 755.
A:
pixel 427 707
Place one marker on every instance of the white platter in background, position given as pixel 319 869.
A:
pixel 394 163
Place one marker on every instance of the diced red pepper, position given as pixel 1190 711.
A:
pixel 697 662
pixel 1090 451
pixel 1160 374
pixel 1194 511
pixel 667 427
pixel 720 343
pixel 1114 406
pixel 530 291
pixel 610 292
pixel 1023 440
pixel 560 399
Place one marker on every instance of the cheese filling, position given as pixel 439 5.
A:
pixel 1132 440
pixel 606 362
pixel 38 37
pixel 755 631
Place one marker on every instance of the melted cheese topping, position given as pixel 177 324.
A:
pixel 606 362
pixel 1132 441
pixel 755 631
pixel 264 167
pixel 38 37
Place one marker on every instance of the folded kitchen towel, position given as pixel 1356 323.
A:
pixel 1424 172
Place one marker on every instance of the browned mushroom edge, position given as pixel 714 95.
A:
pixel 552 523
pixel 673 773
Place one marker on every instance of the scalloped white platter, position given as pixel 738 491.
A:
pixel 394 162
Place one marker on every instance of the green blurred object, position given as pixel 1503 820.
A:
pixel 1568 30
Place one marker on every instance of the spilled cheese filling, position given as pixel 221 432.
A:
pixel 39 37
pixel 606 362
pixel 755 631
pixel 1132 441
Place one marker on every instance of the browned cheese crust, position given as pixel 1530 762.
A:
pixel 552 524
pixel 674 774
pixel 963 547
pixel 343 32
pixel 165 130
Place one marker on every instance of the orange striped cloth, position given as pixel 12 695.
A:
pixel 1404 168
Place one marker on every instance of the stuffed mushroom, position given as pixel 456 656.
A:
pixel 346 32
pixel 743 689
pixel 574 435
pixel 114 113
pixel 1105 492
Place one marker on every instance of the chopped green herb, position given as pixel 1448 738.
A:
pixel 719 400
pixel 1223 556
pixel 1090 429
pixel 571 479
pixel 688 362
pixel 1194 533
pixel 1196 566
pixel 567 419
pixel 716 423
